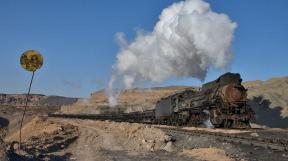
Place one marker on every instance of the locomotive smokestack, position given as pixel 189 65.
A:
pixel 188 39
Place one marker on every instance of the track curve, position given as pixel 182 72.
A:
pixel 274 144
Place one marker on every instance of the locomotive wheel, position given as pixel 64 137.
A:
pixel 169 122
pixel 218 125
pixel 174 119
pixel 228 124
pixel 173 122
pixel 216 119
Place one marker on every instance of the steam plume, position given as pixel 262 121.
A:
pixel 188 39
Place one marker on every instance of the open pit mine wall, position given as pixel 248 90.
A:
pixel 35 100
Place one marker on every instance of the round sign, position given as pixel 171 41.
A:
pixel 31 60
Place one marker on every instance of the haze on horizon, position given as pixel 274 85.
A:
pixel 77 40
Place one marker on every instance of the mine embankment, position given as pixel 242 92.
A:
pixel 42 139
pixel 106 140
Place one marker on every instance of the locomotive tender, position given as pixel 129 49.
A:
pixel 223 102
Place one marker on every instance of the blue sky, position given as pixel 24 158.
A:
pixel 77 40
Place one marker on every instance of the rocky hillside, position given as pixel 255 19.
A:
pixel 35 100
pixel 269 100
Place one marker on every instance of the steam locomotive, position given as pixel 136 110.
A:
pixel 222 102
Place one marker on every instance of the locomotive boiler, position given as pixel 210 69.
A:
pixel 223 102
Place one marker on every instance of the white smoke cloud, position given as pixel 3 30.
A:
pixel 188 39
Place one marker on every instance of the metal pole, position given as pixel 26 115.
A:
pixel 26 103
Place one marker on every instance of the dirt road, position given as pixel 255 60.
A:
pixel 91 142
pixel 111 141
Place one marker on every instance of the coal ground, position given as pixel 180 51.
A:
pixel 235 151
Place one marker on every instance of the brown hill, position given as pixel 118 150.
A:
pixel 269 100
pixel 129 100
pixel 35 100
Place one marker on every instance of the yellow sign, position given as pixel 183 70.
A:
pixel 31 60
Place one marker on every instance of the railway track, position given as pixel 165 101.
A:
pixel 273 144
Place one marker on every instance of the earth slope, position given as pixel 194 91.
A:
pixel 129 100
pixel 18 100
pixel 269 100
